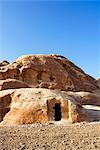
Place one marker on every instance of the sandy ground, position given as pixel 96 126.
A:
pixel 80 136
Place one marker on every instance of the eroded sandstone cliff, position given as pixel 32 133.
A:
pixel 43 89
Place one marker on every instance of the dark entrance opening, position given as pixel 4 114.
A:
pixel 57 109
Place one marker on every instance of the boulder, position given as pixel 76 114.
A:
pixel 38 105
pixel 12 84
pixel 49 71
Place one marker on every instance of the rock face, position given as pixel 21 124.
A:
pixel 4 63
pixel 86 98
pixel 37 105
pixel 43 89
pixel 48 71
pixel 98 83
pixel 12 84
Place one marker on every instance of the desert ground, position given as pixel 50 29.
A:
pixel 78 136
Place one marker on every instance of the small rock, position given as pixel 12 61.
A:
pixel 83 141
pixel 72 141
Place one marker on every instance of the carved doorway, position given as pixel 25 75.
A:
pixel 57 111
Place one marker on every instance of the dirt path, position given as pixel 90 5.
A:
pixel 52 137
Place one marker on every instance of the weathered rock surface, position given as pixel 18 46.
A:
pixel 86 98
pixel 45 88
pixel 49 71
pixel 98 83
pixel 37 105
pixel 4 63
pixel 12 84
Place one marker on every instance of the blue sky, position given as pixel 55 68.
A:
pixel 69 28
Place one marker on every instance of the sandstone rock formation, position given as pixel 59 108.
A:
pixel 86 98
pixel 12 84
pixel 37 105
pixel 4 63
pixel 48 71
pixel 43 89
pixel 98 83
